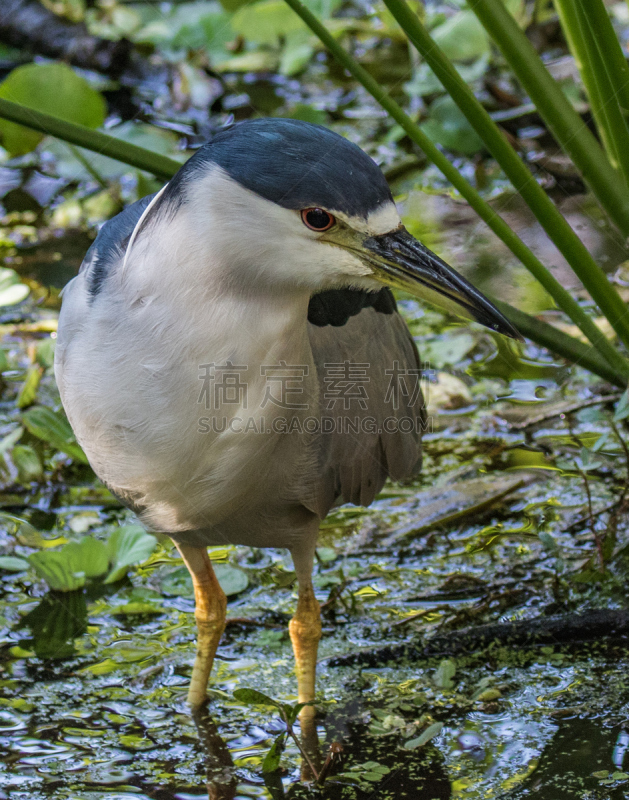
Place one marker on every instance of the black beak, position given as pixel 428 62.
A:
pixel 403 262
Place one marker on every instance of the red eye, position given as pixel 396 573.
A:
pixel 317 219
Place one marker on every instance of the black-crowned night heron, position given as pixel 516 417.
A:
pixel 232 365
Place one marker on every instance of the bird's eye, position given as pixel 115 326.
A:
pixel 317 219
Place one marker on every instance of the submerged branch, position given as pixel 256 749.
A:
pixel 560 629
pixel 28 25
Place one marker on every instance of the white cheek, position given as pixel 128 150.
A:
pixel 382 220
pixel 344 262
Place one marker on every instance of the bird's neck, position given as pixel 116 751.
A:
pixel 208 299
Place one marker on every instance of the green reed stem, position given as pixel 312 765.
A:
pixel 576 139
pixel 97 141
pixel 563 299
pixel 547 214
pixel 604 71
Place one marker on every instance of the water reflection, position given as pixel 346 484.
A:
pixel 55 623
pixel 222 781
pixel 578 760
pixel 418 774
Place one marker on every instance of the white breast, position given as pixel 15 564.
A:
pixel 131 365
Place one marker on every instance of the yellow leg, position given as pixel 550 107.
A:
pixel 210 607
pixel 305 632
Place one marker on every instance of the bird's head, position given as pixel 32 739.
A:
pixel 291 203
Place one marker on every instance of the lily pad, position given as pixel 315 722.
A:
pixel 12 290
pixel 58 570
pixel 27 462
pixel 449 350
pixel 55 89
pixel 252 697
pixel 265 22
pixel 462 37
pixel 430 732
pixel 68 568
pixel 52 427
pixel 444 674
pixel 13 564
pixel 232 581
pixel 128 545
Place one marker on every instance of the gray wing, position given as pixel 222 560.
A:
pixel 371 404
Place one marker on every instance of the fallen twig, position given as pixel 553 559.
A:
pixel 29 25
pixel 560 629
pixel 255 623
pixel 565 409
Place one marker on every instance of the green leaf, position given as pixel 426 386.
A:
pixel 10 440
pixel 266 21
pixel 55 623
pixel 326 554
pixel 28 390
pixel 128 545
pixel 444 674
pixel 252 697
pixel 425 82
pixel 296 54
pixel 307 114
pixel 548 542
pixel 53 428
pixel 27 462
pixel 178 583
pixel 232 580
pixel 462 37
pixel 137 607
pixel 191 26
pixel 67 569
pixel 622 408
pixel 55 89
pixel 46 352
pixel 447 350
pixel 234 5
pixel 12 290
pixel 446 125
pixel 88 555
pixel 372 777
pixel 586 462
pixel 58 570
pixel 272 759
pixel 13 563
pixel 430 732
